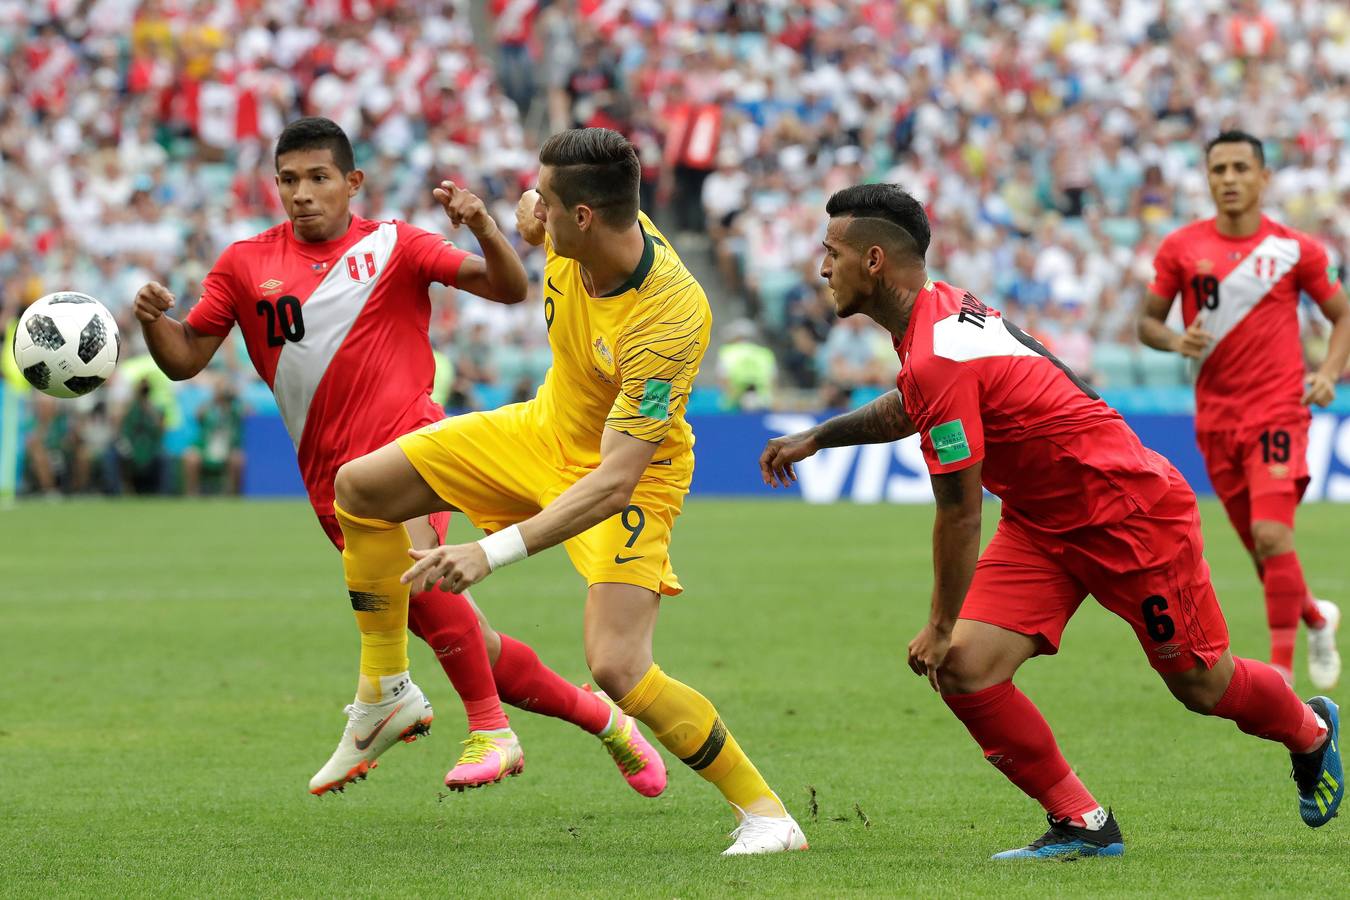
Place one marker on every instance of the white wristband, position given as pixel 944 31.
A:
pixel 504 547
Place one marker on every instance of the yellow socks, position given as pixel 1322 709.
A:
pixel 376 555
pixel 687 725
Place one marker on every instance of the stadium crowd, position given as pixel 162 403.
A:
pixel 1054 144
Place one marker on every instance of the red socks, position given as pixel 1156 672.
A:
pixel 1016 739
pixel 1260 702
pixel 448 623
pixel 1286 597
pixel 1312 616
pixel 450 626
pixel 525 682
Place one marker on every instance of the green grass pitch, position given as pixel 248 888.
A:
pixel 174 672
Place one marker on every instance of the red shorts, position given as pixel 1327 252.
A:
pixel 1149 569
pixel 439 521
pixel 1259 473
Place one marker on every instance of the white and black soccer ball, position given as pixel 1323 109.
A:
pixel 67 344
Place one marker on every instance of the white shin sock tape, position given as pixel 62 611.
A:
pixel 504 547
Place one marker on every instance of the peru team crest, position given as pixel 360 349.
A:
pixel 361 267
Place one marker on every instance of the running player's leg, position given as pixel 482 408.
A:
pixel 388 706
pixel 449 624
pixel 1277 475
pixel 1159 557
pixel 488 466
pixel 620 620
pixel 523 680
pixel 374 496
pixel 1017 606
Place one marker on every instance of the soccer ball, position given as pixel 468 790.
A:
pixel 67 344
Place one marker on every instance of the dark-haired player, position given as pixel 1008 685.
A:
pixel 1240 275
pixel 1087 509
pixel 600 462
pixel 334 310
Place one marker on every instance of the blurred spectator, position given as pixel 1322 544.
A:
pixel 746 369
pixel 1052 143
pixel 52 449
pixel 141 442
pixel 217 455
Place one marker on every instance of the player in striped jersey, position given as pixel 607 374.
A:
pixel 1240 275
pixel 600 461
pixel 334 311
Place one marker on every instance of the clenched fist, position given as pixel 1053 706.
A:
pixel 530 228
pixel 152 301
pixel 1195 341
pixel 465 208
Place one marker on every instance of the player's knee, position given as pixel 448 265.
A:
pixel 616 673
pixel 1271 538
pixel 1198 690
pixel 491 640
pixel 355 491
pixel 966 672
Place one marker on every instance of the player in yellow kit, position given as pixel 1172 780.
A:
pixel 600 461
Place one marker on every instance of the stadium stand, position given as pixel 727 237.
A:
pixel 1054 143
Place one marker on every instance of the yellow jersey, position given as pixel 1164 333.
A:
pixel 626 360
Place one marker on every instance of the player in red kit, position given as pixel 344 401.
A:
pixel 334 312
pixel 1087 509
pixel 1240 275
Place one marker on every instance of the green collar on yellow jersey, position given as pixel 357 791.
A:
pixel 643 267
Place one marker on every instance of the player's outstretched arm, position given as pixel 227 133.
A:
pixel 179 350
pixel 1322 383
pixel 879 422
pixel 1153 330
pixel 496 275
pixel 599 494
pixel 956 547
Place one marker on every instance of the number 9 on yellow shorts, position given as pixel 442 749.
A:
pixel 499 468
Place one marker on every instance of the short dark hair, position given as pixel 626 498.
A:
pixel 596 167
pixel 879 204
pixel 317 133
pixel 1234 136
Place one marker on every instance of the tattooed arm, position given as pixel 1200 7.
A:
pixel 879 422
pixel 956 547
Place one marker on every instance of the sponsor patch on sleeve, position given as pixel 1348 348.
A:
pixel 949 442
pixel 655 400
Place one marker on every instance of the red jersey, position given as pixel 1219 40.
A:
pixel 338 330
pixel 1245 292
pixel 979 389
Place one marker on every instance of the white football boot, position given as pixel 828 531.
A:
pixel 766 834
pixel 1324 660
pixel 373 728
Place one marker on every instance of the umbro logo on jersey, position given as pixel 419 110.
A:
pixel 270 286
pixel 361 267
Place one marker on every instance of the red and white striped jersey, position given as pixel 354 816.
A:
pixel 338 330
pixel 979 389
pixel 1245 292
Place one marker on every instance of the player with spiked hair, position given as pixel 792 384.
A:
pixel 1087 509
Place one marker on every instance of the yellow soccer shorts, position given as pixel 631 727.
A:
pixel 500 468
